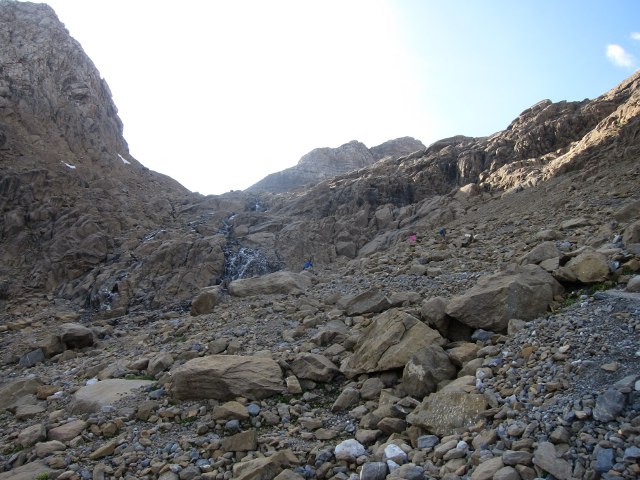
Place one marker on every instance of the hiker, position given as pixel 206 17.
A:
pixel 308 265
pixel 413 238
pixel 443 233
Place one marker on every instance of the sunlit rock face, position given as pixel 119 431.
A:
pixel 323 163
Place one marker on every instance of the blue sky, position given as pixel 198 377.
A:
pixel 218 94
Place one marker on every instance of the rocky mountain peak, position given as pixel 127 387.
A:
pixel 325 163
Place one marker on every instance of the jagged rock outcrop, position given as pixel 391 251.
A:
pixel 325 163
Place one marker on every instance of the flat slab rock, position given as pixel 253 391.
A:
pixel 91 398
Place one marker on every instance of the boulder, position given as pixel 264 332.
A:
pixel 67 431
pixel 312 366
pixel 12 391
pixel 206 300
pixel 546 458
pixel 432 313
pixel 225 377
pixel 425 369
pixel 74 335
pixel 91 398
pixel 388 343
pixel 159 363
pixel 540 253
pixel 588 267
pixel 445 412
pixel 265 467
pixel 524 293
pixel 279 282
pixel 371 301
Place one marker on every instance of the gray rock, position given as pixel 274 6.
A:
pixel 605 458
pixel 374 471
pixel 32 358
pixel 546 458
pixel 609 405
pixel 425 369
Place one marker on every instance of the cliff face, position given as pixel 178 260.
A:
pixel 324 163
pixel 85 221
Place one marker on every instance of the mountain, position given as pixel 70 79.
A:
pixel 471 311
pixel 323 163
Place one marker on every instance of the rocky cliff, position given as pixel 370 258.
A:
pixel 324 163
pixel 148 332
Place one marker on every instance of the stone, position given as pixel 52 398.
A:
pixel 463 353
pixel 224 377
pixel 24 412
pixel 230 411
pixel 374 471
pixel 487 469
pixel 495 299
pixel 605 459
pixel 28 471
pixel 546 457
pixel 425 369
pixel 44 449
pixel 444 412
pixel 313 366
pixel 74 335
pixel 67 431
pixel 31 435
pixel 371 388
pixel 432 312
pixel 588 267
pixel 92 398
pixel 293 385
pixel 395 453
pixel 371 301
pixel 241 442
pixel 32 358
pixel 609 405
pixel 266 467
pixel 519 457
pixel 12 391
pixel 633 285
pixel 159 363
pixel 347 399
pixel 279 282
pixel 104 450
pixel 349 450
pixel 388 343
pixel 206 300
pixel 541 252
pixel 506 473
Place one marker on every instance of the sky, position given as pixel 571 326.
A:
pixel 218 94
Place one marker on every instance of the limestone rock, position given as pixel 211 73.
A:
pixel 224 377
pixel 312 366
pixel 546 457
pixel 266 467
pixel 205 301
pixel 159 363
pixel 371 301
pixel 278 282
pixel 12 391
pixel 588 267
pixel 388 343
pixel 495 299
pixel 444 412
pixel 425 369
pixel 538 254
pixel 74 335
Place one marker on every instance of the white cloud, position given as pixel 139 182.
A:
pixel 635 35
pixel 619 56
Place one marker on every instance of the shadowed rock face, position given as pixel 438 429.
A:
pixel 83 220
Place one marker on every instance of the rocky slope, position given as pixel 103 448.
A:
pixel 147 332
pixel 324 163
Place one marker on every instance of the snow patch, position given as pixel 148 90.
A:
pixel 68 165
pixel 124 160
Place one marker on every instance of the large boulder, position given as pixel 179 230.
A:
pixel 448 411
pixel 524 293
pixel 425 369
pixel 388 343
pixel 225 377
pixel 12 391
pixel 278 282
pixel 541 252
